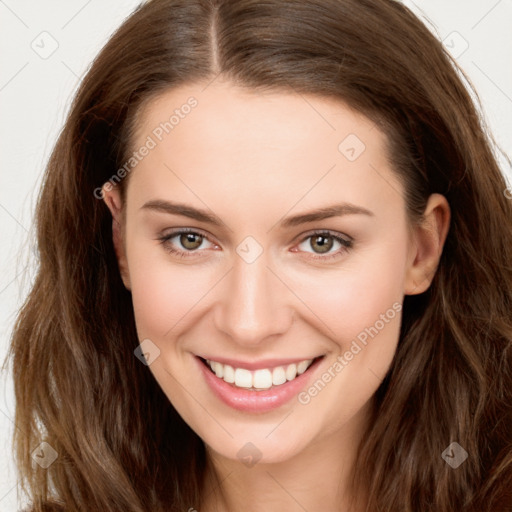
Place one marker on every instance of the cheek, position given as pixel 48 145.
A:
pixel 163 294
pixel 363 313
pixel 344 304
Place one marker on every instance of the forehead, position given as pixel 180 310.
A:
pixel 249 145
pixel 250 116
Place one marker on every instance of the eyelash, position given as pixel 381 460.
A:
pixel 345 243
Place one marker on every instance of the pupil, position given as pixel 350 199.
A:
pixel 188 240
pixel 323 245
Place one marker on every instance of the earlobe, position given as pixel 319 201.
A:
pixel 112 198
pixel 427 245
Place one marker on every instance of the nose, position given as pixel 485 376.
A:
pixel 252 305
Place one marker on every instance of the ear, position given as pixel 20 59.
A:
pixel 427 241
pixel 112 197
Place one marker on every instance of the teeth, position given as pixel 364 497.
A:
pixel 278 376
pixel 261 379
pixel 301 367
pixel 229 374
pixel 243 378
pixel 218 369
pixel 291 371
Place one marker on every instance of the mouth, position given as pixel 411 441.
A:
pixel 259 379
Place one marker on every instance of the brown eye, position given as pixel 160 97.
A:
pixel 322 243
pixel 191 241
pixel 185 243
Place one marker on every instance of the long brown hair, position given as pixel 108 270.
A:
pixel 121 445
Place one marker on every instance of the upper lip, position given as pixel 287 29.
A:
pixel 256 365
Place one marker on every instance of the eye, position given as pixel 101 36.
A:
pixel 191 241
pixel 321 243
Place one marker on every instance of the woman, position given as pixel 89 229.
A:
pixel 274 273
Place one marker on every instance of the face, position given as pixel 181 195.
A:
pixel 266 245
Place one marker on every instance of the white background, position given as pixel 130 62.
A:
pixel 35 94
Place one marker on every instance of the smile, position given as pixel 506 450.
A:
pixel 260 379
pixel 257 387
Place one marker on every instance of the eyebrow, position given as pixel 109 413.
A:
pixel 335 210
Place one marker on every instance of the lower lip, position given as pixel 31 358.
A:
pixel 255 401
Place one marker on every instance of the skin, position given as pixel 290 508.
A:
pixel 253 159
